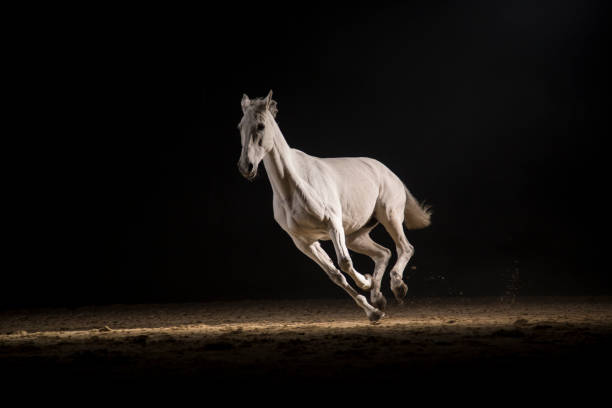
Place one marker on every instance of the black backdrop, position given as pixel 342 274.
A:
pixel 127 188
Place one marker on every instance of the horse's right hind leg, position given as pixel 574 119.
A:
pixel 393 225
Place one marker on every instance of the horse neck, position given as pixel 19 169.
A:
pixel 280 167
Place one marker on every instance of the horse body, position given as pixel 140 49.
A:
pixel 337 199
pixel 349 187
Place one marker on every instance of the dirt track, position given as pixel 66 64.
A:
pixel 318 339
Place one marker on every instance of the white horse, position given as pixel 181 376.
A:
pixel 341 199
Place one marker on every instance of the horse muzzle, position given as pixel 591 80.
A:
pixel 249 171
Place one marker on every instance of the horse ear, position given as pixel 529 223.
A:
pixel 273 109
pixel 245 102
pixel 271 104
pixel 268 98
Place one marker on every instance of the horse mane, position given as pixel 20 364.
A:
pixel 259 104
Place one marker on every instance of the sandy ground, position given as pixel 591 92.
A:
pixel 426 340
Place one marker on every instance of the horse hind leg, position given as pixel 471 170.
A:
pixel 362 243
pixel 393 224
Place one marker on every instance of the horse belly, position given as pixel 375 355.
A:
pixel 356 182
pixel 353 223
pixel 358 208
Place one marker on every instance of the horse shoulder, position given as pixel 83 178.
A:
pixel 315 192
pixel 280 213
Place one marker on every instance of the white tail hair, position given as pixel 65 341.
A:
pixel 416 215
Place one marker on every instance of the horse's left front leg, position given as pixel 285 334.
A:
pixel 336 234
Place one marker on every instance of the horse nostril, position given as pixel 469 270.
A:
pixel 251 168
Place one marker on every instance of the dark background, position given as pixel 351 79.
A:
pixel 122 181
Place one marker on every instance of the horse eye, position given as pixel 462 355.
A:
pixel 260 126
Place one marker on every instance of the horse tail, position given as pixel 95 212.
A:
pixel 416 215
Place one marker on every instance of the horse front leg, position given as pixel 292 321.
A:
pixel 336 233
pixel 314 251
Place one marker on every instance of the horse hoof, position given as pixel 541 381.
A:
pixel 400 289
pixel 377 322
pixel 375 316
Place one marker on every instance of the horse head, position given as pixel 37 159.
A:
pixel 256 132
